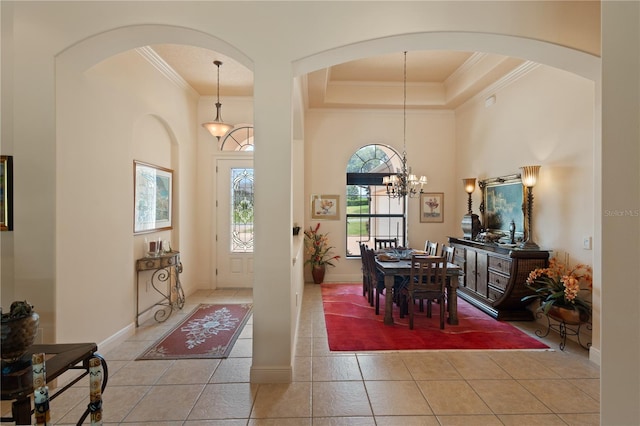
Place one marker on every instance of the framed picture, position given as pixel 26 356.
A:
pixel 325 207
pixel 432 207
pixel 153 197
pixel 503 202
pixel 6 193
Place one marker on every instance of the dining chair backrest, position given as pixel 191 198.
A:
pixel 382 243
pixel 370 266
pixel 431 248
pixel 427 281
pixel 428 274
pixel 448 252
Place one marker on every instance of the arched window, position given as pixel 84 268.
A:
pixel 370 212
pixel 240 138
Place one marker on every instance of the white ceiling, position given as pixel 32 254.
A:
pixel 436 79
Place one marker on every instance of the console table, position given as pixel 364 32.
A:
pixel 494 277
pixel 17 377
pixel 165 280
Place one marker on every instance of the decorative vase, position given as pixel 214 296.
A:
pixel 18 334
pixel 568 316
pixel 317 272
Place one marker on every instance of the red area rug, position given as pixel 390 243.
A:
pixel 352 325
pixel 208 332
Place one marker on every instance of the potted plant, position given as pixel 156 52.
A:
pixel 19 329
pixel 559 289
pixel 319 252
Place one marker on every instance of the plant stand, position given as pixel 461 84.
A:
pixel 564 328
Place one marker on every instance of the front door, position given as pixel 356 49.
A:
pixel 234 227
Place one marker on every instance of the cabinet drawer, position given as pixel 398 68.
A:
pixel 500 264
pixel 494 293
pixel 498 280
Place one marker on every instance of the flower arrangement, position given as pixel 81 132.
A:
pixel 317 248
pixel 560 286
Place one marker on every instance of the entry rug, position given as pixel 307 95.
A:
pixel 210 331
pixel 352 325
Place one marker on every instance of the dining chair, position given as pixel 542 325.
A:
pixel 448 252
pixel 376 280
pixel 382 243
pixel 427 281
pixel 366 282
pixel 431 248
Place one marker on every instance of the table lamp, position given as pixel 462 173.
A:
pixel 470 222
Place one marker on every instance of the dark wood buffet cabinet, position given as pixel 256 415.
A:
pixel 494 277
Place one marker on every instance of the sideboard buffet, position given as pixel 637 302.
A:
pixel 494 277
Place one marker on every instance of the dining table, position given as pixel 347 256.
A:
pixel 402 267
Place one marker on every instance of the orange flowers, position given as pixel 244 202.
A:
pixel 559 285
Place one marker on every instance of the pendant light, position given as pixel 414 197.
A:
pixel 217 127
pixel 403 183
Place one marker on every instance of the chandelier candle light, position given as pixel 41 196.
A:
pixel 529 180
pixel 404 183
pixel 217 127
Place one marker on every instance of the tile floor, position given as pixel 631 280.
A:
pixel 390 388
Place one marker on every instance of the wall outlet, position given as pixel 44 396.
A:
pixel 586 243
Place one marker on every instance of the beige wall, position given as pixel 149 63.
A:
pixel 34 33
pixel 332 137
pixel 546 117
pixel 120 110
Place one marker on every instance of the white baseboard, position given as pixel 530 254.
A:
pixel 271 374
pixel 122 335
pixel 595 355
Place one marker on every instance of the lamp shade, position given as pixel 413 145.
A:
pixel 217 128
pixel 530 175
pixel 469 185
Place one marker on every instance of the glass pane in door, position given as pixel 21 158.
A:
pixel 242 210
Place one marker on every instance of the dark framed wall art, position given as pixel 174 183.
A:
pixel 503 202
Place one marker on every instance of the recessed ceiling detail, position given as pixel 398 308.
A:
pixel 436 79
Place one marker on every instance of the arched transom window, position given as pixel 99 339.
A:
pixel 370 212
pixel 240 138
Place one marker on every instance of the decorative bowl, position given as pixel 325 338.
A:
pixel 18 334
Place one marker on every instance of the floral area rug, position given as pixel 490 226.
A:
pixel 208 332
pixel 352 325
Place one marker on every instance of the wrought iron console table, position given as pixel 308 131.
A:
pixel 165 280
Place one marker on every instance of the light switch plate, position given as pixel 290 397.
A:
pixel 586 243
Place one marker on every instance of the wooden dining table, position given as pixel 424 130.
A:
pixel 403 268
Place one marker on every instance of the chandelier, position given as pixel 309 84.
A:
pixel 403 183
pixel 217 127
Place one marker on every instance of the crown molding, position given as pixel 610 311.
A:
pixel 165 69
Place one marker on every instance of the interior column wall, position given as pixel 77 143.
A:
pixel 620 374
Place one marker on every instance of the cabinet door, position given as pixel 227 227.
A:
pixel 482 261
pixel 471 272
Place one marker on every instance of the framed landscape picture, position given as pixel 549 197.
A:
pixel 325 207
pixel 432 207
pixel 503 202
pixel 153 197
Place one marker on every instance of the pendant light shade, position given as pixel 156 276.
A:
pixel 217 127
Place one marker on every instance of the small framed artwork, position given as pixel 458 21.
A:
pixel 432 207
pixel 325 207
pixel 6 193
pixel 153 197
